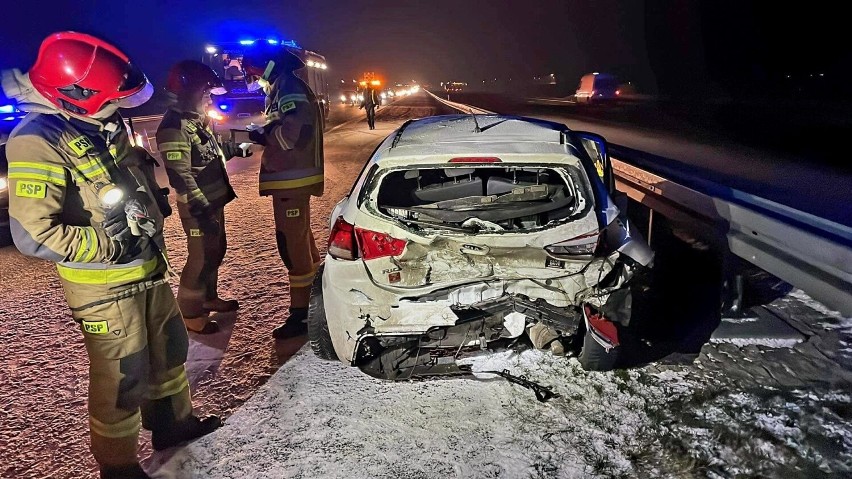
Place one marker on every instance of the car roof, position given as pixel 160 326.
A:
pixel 456 134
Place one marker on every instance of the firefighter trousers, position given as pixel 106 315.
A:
pixel 137 347
pixel 371 117
pixel 199 280
pixel 296 245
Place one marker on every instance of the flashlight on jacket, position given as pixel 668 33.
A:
pixel 109 194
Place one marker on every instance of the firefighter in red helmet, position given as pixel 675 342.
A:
pixel 84 197
pixel 195 163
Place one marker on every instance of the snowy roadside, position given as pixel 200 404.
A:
pixel 322 419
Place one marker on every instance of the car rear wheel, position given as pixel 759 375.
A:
pixel 318 334
pixel 593 356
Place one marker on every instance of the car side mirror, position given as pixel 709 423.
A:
pixel 595 146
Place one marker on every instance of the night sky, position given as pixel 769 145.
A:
pixel 427 41
pixel 667 45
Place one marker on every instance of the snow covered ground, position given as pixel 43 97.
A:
pixel 749 410
pixel 322 419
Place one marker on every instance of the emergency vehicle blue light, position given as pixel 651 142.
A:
pixel 223 106
pixel 272 41
pixel 7 108
pixel 246 42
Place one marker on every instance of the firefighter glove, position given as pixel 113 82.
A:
pixel 128 248
pixel 256 136
pixel 231 149
pixel 115 224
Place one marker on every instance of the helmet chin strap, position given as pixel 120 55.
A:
pixel 107 111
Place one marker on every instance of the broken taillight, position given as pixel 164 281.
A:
pixel 603 330
pixel 476 159
pixel 341 241
pixel 583 245
pixel 378 245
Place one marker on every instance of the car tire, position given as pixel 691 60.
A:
pixel 593 356
pixel 318 334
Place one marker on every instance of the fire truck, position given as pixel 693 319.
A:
pixel 239 106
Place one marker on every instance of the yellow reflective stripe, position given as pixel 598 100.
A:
pixel 37 166
pixel 301 284
pixel 93 168
pixel 124 428
pixel 36 176
pixel 291 184
pixel 85 245
pixel 174 146
pixel 168 388
pixel 108 276
pixel 93 248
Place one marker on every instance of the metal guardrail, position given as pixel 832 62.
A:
pixel 807 251
pixel 460 106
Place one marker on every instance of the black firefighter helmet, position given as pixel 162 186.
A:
pixel 268 62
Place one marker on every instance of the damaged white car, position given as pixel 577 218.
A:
pixel 464 233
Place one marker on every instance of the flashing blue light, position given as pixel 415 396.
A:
pixel 223 106
pixel 7 108
pixel 272 41
pixel 246 42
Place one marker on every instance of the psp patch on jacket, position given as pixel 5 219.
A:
pixel 81 145
pixel 95 327
pixel 30 189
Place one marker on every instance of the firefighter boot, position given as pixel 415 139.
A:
pixel 213 302
pixel 116 456
pixel 296 325
pixel 195 317
pixel 183 431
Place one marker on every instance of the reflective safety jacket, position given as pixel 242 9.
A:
pixel 292 164
pixel 57 164
pixel 194 160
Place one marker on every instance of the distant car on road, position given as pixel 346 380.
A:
pixel 462 233
pixel 597 87
pixel 349 98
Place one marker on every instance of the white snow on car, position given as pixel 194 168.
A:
pixel 465 231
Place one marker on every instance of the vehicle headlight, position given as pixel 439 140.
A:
pixel 342 97
pixel 4 183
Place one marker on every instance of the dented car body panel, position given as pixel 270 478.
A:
pixel 436 250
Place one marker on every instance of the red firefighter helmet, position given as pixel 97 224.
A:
pixel 80 73
pixel 191 76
